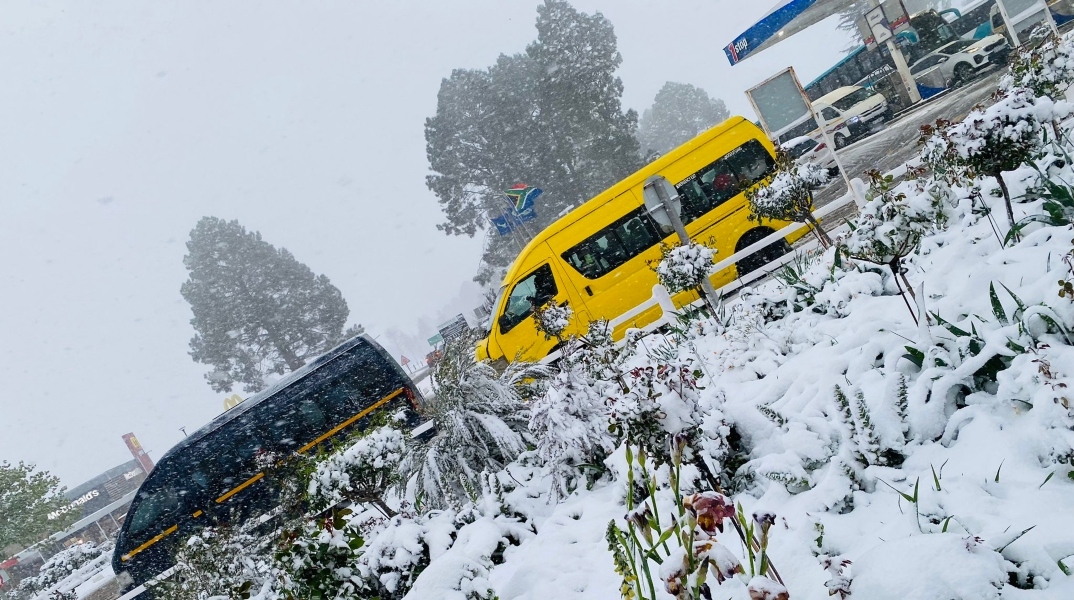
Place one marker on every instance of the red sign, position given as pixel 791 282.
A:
pixel 404 361
pixel 138 452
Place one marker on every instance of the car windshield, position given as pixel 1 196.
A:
pixel 796 149
pixel 855 97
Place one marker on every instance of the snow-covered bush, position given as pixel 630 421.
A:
pixel 662 402
pixel 60 566
pixel 993 139
pixel 570 424
pixel 360 473
pixel 481 425
pixel 217 562
pixel 684 266
pixel 789 195
pixel 317 560
pixel 1046 69
pixel 552 319
pixel 891 226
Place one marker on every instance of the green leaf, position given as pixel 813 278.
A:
pixel 935 478
pixel 1018 301
pixel 914 355
pixel 1046 479
pixel 946 522
pixel 999 469
pixel 906 496
pixel 997 308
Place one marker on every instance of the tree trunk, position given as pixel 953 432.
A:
pixel 293 361
pixel 1007 200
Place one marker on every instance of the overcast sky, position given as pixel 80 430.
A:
pixel 123 123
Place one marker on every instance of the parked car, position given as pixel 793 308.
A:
pixel 805 150
pixel 852 112
pixel 961 61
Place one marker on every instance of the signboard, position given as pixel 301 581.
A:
pixel 436 340
pixel 878 25
pixel 779 102
pixel 1021 16
pixel 101 491
pixel 454 328
pixel 138 452
pixel 232 401
pixel 893 12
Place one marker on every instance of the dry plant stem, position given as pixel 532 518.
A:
pixel 895 273
pixel 822 236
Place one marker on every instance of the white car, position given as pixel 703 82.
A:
pixel 962 60
pixel 806 150
pixel 852 112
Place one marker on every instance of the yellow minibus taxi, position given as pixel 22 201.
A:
pixel 596 257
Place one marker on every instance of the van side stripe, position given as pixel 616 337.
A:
pixel 351 420
pixel 151 541
pixel 240 488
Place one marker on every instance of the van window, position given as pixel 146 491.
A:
pixel 855 97
pixel 997 20
pixel 724 179
pixel 155 506
pixel 606 250
pixel 538 286
pixel 829 114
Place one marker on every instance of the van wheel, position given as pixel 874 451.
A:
pixel 762 257
pixel 840 142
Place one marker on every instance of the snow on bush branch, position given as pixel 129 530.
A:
pixel 789 195
pixel 362 472
pixel 683 267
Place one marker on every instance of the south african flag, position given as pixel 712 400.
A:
pixel 521 196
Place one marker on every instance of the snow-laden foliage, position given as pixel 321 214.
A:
pixel 891 223
pixel 217 562
pixel 993 139
pixel 317 560
pixel 552 319
pixel 480 420
pixel 1046 70
pixel 684 266
pixel 27 497
pixel 61 566
pixel 788 196
pixel 570 424
pixel 362 472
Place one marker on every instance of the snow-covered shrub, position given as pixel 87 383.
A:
pixel 662 402
pixel 570 424
pixel 360 473
pixel 891 226
pixel 552 319
pixel 60 566
pixel 393 557
pixel 683 267
pixel 789 195
pixel 217 562
pixel 481 425
pixel 993 139
pixel 317 560
pixel 1046 70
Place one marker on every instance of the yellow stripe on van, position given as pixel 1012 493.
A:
pixel 351 420
pixel 151 541
pixel 240 488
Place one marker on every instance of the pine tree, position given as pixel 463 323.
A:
pixel 679 112
pixel 257 310
pixel 26 499
pixel 551 117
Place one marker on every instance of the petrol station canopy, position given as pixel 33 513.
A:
pixel 787 18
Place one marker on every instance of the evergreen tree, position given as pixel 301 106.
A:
pixel 551 117
pixel 679 112
pixel 26 499
pixel 257 310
